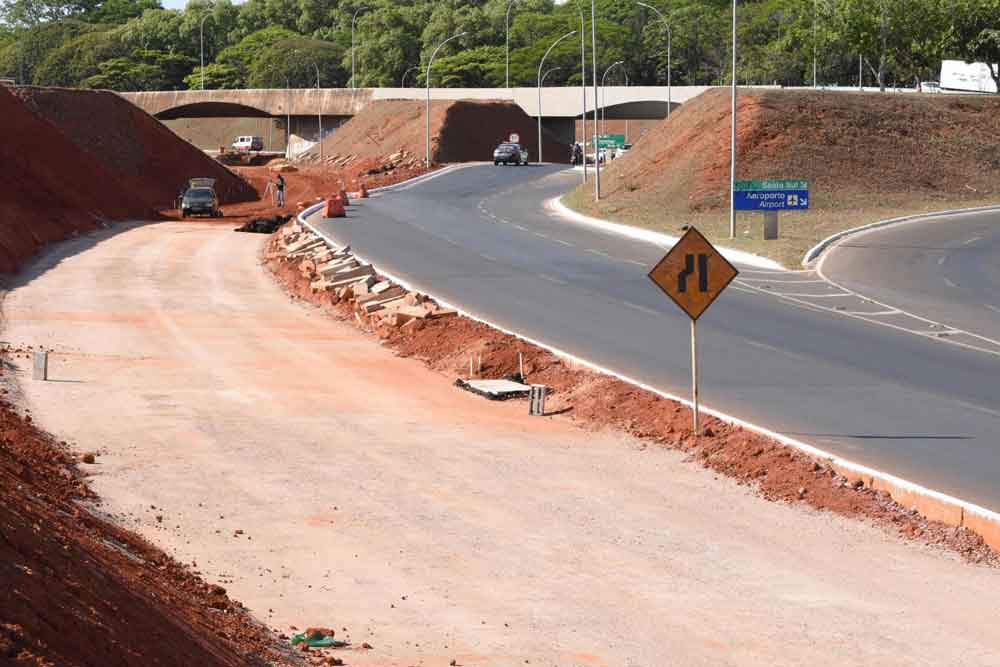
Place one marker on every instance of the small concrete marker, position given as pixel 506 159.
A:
pixel 40 370
pixel 536 402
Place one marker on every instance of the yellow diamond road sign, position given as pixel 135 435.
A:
pixel 693 273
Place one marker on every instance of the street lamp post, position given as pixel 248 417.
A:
pixel 428 82
pixel 568 34
pixel 353 21
pixel 583 89
pixel 815 85
pixel 593 53
pixel 403 82
pixel 506 32
pixel 288 119
pixel 201 32
pixel 732 148
pixel 604 102
pixel 669 40
pixel 319 115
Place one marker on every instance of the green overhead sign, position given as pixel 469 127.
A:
pixel 742 186
pixel 610 140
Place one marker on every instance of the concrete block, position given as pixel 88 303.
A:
pixel 352 281
pixel 446 312
pixel 319 285
pixel 357 272
pixel 414 312
pixel 40 368
pixel 304 244
pixel 380 287
pixel 364 285
pixel 373 306
pixel 338 265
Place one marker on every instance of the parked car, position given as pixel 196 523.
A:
pixel 246 144
pixel 200 199
pixel 930 87
pixel 621 150
pixel 510 154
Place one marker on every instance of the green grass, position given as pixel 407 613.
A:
pixel 798 231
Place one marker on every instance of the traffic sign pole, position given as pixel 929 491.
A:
pixel 694 374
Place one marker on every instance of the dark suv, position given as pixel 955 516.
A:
pixel 510 154
pixel 200 198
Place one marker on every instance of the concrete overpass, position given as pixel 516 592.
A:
pixel 557 102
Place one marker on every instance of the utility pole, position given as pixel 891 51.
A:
pixel 669 40
pixel 354 19
pixel 732 153
pixel 540 64
pixel 510 5
pixel 201 31
pixel 593 53
pixel 428 82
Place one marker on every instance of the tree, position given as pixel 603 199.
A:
pixel 977 34
pixel 78 59
pixel 294 62
pixel 218 76
pixel 480 67
pixel 119 11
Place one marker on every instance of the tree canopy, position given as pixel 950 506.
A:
pixel 136 44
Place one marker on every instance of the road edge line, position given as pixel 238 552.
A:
pixel 417 180
pixel 665 240
pixel 813 253
pixel 933 504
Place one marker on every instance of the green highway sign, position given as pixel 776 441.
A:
pixel 610 140
pixel 742 186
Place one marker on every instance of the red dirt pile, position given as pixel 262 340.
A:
pixel 461 131
pixel 333 280
pixel 146 158
pixel 854 148
pixel 77 159
pixel 79 590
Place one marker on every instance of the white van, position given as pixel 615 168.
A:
pixel 247 143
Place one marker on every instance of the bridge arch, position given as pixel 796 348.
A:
pixel 212 109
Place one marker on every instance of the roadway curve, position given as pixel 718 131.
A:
pixel 903 403
pixel 943 268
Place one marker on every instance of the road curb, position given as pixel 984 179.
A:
pixel 416 180
pixel 932 504
pixel 813 253
pixel 665 240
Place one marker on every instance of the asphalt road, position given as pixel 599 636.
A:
pixel 942 268
pixel 907 404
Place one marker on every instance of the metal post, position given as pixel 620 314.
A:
pixel 694 375
pixel 583 89
pixel 669 40
pixel 354 83
pixel 403 82
pixel 732 154
pixel 861 72
pixel 593 53
pixel 506 33
pixel 542 62
pixel 815 84
pixel 604 105
pixel 201 31
pixel 428 82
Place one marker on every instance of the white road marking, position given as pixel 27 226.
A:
pixel 814 296
pixel 637 263
pixel 941 260
pixel 648 311
pixel 552 279
pixel 565 243
pixel 779 282
pixel 488 257
pixel 949 283
pixel 539 234
pixel 993 308
pixel 972 240
pixel 523 229
pixel 597 252
pixel 873 313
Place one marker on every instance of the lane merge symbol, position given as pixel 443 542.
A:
pixel 693 274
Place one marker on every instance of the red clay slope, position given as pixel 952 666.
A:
pixel 52 190
pixel 461 131
pixel 146 158
pixel 80 591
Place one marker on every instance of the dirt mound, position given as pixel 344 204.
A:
pixel 82 591
pixel 52 189
pixel 145 157
pixel 461 131
pixel 852 147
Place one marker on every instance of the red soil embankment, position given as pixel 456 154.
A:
pixel 856 149
pixel 461 131
pixel 79 590
pixel 146 158
pixel 76 159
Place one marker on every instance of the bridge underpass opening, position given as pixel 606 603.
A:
pixel 214 125
pixel 632 119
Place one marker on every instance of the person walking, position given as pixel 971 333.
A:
pixel 280 186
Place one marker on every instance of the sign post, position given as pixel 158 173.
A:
pixel 693 274
pixel 769 197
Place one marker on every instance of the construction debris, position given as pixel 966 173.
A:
pixel 264 225
pixel 378 303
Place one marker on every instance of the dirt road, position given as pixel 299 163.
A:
pixel 324 482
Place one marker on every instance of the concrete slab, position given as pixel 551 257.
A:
pixel 495 390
